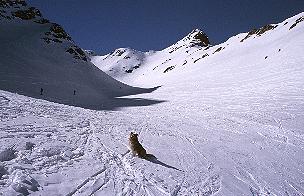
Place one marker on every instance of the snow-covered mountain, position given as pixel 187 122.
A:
pixel 231 122
pixel 122 60
pixel 126 64
pixel 39 59
pixel 195 50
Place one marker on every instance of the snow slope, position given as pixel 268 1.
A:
pixel 38 54
pixel 184 56
pixel 120 61
pixel 126 64
pixel 232 124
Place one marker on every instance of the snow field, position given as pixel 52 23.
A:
pixel 229 124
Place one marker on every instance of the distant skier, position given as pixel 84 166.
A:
pixel 41 91
pixel 74 92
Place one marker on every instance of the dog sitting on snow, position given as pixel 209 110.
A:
pixel 136 148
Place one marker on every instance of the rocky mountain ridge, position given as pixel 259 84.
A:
pixel 19 10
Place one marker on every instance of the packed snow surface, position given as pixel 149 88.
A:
pixel 229 124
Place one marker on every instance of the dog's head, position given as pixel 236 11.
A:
pixel 133 136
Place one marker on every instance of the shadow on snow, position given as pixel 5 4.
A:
pixel 153 159
pixel 113 101
pixel 117 103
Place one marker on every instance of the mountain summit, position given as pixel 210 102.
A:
pixel 197 38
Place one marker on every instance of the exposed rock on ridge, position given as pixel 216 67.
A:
pixel 195 38
pixel 259 31
pixel 198 38
pixel 19 10
pixel 301 19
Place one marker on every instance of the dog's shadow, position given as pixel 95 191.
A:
pixel 153 159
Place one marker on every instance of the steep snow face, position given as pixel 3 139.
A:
pixel 40 59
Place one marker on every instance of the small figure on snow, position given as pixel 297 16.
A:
pixel 41 91
pixel 136 148
pixel 74 92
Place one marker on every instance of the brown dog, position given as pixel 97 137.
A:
pixel 136 147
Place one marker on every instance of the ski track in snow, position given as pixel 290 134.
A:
pixel 67 138
pixel 84 152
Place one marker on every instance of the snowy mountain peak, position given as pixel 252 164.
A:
pixel 193 50
pixel 197 37
pixel 120 51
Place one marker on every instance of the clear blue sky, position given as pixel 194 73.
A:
pixel 104 25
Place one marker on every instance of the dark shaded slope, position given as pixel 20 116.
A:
pixel 39 59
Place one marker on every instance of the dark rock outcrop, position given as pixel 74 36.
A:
pixel 27 14
pixel 132 69
pixel 219 49
pixel 119 52
pixel 19 10
pixel 169 69
pixel 59 32
pixel 195 38
pixel 56 34
pixel 301 19
pixel 12 3
pixel 259 31
pixel 77 53
pixel 205 55
pixel 200 38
